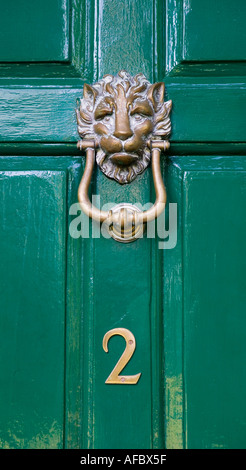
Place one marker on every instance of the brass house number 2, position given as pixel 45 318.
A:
pixel 114 377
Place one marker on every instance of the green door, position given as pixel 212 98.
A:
pixel 184 302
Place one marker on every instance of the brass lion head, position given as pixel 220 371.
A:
pixel 122 113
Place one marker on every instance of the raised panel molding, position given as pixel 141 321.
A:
pixel 32 322
pixel 205 32
pixel 204 304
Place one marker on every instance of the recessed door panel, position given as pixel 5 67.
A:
pixel 34 31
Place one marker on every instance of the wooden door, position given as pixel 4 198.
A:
pixel 184 305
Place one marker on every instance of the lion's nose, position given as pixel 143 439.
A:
pixel 122 126
pixel 123 134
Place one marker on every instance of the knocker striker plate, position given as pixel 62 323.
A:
pixel 122 121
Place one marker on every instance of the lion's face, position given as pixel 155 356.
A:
pixel 122 112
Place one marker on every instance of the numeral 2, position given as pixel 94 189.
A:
pixel 114 377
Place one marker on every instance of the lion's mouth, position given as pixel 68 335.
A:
pixel 124 159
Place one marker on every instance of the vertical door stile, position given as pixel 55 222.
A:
pixel 125 285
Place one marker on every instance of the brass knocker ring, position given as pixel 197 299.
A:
pixel 125 221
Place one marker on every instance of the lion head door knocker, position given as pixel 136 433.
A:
pixel 124 123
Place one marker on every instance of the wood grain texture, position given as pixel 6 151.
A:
pixel 82 55
pixel 125 34
pixel 201 112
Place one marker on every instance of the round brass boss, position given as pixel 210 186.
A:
pixel 124 224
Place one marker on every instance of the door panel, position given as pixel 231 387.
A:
pixel 203 32
pixel 33 243
pixel 214 307
pixel 22 25
pixel 205 304
pixel 213 30
pixel 41 296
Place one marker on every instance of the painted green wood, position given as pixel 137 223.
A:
pixel 202 111
pixel 125 35
pixel 117 299
pixel 75 349
pixel 116 416
pixel 62 294
pixel 201 90
pixel 204 292
pixel 40 371
pixel 82 37
pixel 174 400
pixel 204 97
pixel 197 111
pixel 32 271
pixel 34 32
pixel 72 23
pixel 214 30
pixel 177 148
pixel 203 32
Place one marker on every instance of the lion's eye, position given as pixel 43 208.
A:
pixel 137 117
pixel 105 119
